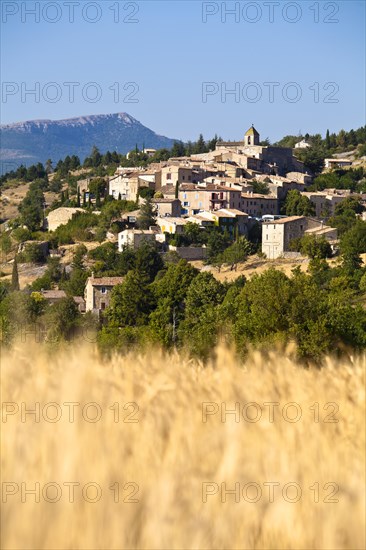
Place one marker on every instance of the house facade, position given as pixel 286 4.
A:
pixel 325 202
pixel 277 235
pixel 257 205
pixel 172 225
pixel 133 238
pixel 337 163
pixel 98 292
pixel 124 185
pixel 211 197
pixel 167 207
pixel 172 174
pixel 233 221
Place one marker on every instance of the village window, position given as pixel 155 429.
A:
pixel 102 306
pixel 104 290
pixel 169 177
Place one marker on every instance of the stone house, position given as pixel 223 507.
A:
pixel 98 292
pixel 234 221
pixel 172 173
pixel 134 237
pixel 167 207
pixel 337 163
pixel 171 225
pixel 277 235
pixel 53 296
pixel 211 197
pixel 326 201
pixel 124 185
pixel 257 205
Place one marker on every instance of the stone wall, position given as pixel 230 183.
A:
pixel 190 253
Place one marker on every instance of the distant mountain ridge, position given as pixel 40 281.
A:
pixel 35 141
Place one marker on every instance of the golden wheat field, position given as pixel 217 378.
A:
pixel 154 452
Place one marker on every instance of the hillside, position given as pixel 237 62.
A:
pixel 38 140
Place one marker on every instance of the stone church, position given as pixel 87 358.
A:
pixel 262 158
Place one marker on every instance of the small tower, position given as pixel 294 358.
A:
pixel 251 137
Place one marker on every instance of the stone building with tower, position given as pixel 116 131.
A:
pixel 262 158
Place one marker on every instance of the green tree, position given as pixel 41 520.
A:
pixel 199 330
pixel 312 157
pixel 147 215
pixel 262 309
pixel 170 293
pixel 200 146
pixel 5 243
pixel 237 252
pixel 31 208
pixel 298 205
pixel 131 302
pixel 352 244
pixel 217 242
pixel 315 247
pixel 62 320
pixel 345 215
pixel 148 260
pixel 260 187
pixel 15 276
pixel 327 140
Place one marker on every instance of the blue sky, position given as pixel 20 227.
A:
pixel 310 54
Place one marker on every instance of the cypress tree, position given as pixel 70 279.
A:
pixel 97 199
pixel 327 140
pixel 15 276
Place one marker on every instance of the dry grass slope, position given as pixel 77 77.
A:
pixel 170 452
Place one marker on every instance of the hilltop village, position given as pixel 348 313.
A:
pixel 101 233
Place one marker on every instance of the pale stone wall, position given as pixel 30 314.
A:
pixel 60 216
pixel 171 208
pixel 190 253
pixel 133 238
